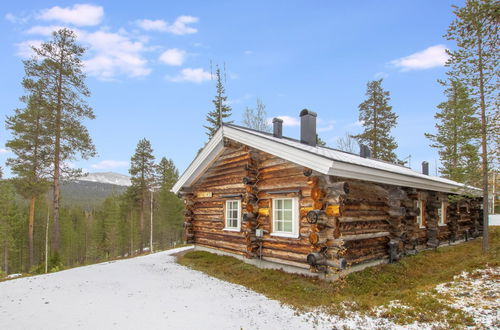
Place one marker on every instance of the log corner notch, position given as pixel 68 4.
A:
pixel 189 204
pixel 250 219
pixel 327 248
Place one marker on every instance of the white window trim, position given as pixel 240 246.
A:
pixel 420 217
pixel 442 211
pixel 238 227
pixel 295 219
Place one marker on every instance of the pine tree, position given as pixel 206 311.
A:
pixel 10 228
pixel 475 63
pixel 221 110
pixel 171 207
pixel 57 69
pixel 257 118
pixel 167 174
pixel 378 119
pixel 142 170
pixel 457 135
pixel 31 144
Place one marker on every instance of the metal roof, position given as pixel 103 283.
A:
pixel 321 159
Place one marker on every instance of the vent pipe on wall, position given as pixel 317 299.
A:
pixel 308 127
pixel 277 127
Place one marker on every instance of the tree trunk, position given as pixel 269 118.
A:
pixel 57 160
pixel 141 247
pixel 6 257
pixel 31 222
pixel 484 151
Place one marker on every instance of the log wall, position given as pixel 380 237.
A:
pixel 342 221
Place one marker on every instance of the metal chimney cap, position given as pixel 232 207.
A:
pixel 277 120
pixel 308 112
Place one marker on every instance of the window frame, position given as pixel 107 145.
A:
pixel 226 218
pixel 421 220
pixel 443 214
pixel 295 218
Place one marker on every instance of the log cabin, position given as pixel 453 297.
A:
pixel 283 203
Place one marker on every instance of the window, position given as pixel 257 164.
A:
pixel 442 213
pixel 421 217
pixel 233 215
pixel 285 217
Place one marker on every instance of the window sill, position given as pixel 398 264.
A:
pixel 422 227
pixel 442 225
pixel 232 229
pixel 285 235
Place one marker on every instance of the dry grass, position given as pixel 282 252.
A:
pixel 410 281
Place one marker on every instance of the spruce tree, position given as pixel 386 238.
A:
pixel 257 118
pixel 475 63
pixel 142 170
pixel 457 135
pixel 32 146
pixel 57 67
pixel 221 110
pixel 378 119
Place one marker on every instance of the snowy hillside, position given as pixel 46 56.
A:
pixel 154 292
pixel 107 177
pixel 150 292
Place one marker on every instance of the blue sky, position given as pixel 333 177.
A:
pixel 148 67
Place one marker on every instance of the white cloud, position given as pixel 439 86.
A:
pixel 24 49
pixel 109 53
pixel 247 52
pixel 114 54
pixel 79 14
pixel 179 26
pixel 289 121
pixel 16 19
pixel 110 164
pixel 328 126
pixel 382 75
pixel 4 151
pixel 153 25
pixel 428 58
pixel 197 75
pixel 173 56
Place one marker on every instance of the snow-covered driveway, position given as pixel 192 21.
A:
pixel 149 292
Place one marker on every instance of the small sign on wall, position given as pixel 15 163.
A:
pixel 204 194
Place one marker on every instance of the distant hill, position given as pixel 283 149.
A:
pixel 107 177
pixel 87 193
pixel 91 190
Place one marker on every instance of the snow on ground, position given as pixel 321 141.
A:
pixel 477 293
pixel 139 293
pixel 153 292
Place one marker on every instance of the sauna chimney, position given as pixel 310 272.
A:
pixel 425 168
pixel 364 151
pixel 277 127
pixel 308 127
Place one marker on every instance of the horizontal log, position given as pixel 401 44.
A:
pixel 364 236
pixel 344 219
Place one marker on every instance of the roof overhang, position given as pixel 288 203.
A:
pixel 316 162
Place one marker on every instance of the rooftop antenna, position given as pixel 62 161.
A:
pixel 409 160
pixel 225 80
pixel 211 76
